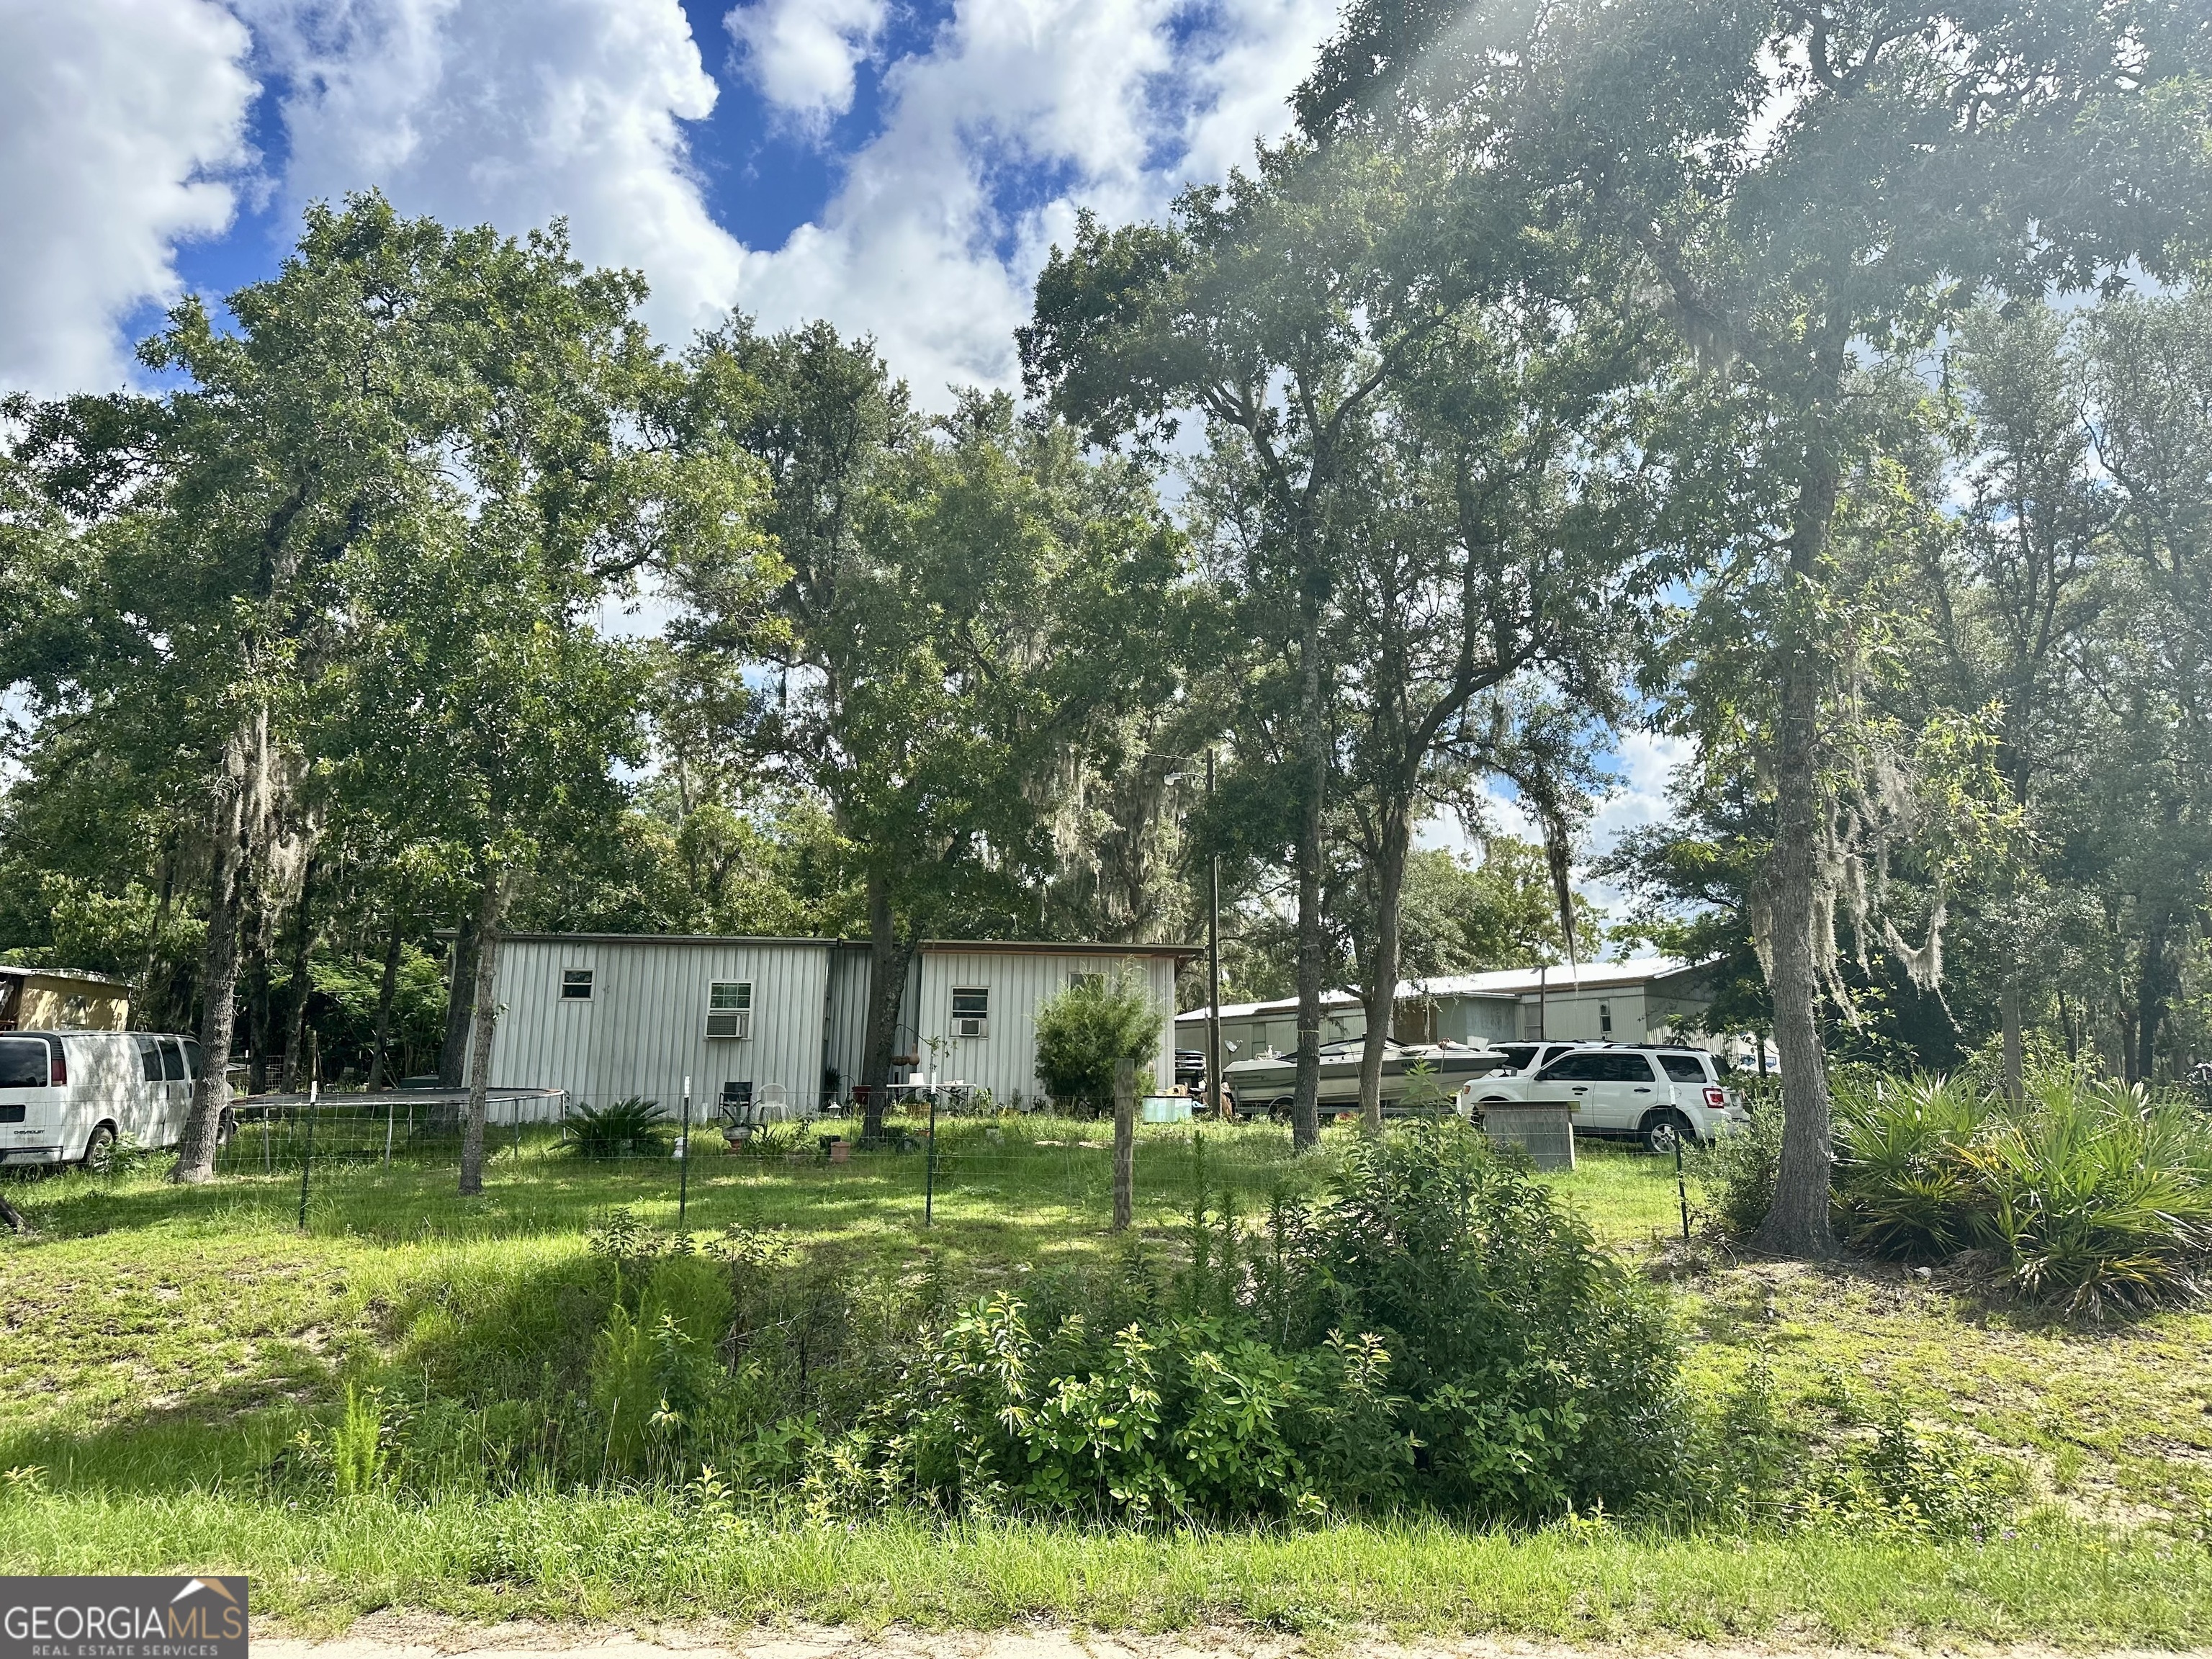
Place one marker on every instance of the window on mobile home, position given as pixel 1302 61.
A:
pixel 575 985
pixel 972 1003
pixel 730 1008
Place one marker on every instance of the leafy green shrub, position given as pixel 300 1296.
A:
pixel 1905 1187
pixel 1083 1030
pixel 1434 1330
pixel 1736 1174
pixel 1538 1376
pixel 2098 1194
pixel 626 1127
pixel 1759 1463
pixel 1177 1417
pixel 1914 1478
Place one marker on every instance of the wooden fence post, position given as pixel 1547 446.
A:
pixel 1125 1142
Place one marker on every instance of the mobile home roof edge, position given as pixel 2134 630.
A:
pixel 1046 947
pixel 13 972
pixel 655 938
pixel 1027 946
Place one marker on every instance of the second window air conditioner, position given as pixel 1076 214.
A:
pixel 968 1027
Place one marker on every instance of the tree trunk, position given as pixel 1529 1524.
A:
pixel 1125 1144
pixel 387 992
pixel 1798 1225
pixel 890 956
pixel 1305 1095
pixel 256 1001
pixel 460 993
pixel 1383 973
pixel 303 944
pixel 237 792
pixel 2152 988
pixel 2008 1021
pixel 491 912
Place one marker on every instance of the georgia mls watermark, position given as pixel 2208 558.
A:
pixel 122 1618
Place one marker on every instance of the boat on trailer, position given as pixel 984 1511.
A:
pixel 1263 1085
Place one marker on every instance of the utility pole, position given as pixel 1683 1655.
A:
pixel 1221 1097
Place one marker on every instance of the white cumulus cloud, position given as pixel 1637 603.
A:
pixel 937 231
pixel 119 123
pixel 1008 117
pixel 801 53
pixel 513 112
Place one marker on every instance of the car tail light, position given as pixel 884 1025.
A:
pixel 1716 1098
pixel 57 1065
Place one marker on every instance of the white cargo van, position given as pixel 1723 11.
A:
pixel 68 1096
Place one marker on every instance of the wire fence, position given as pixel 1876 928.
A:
pixel 967 1161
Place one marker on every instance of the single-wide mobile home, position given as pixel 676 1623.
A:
pixel 608 1016
pixel 975 1009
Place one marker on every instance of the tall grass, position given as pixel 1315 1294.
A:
pixel 634 1557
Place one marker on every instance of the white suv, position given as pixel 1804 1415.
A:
pixel 1655 1094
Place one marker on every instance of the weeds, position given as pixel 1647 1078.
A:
pixel 357 1449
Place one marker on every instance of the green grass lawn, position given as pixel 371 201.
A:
pixel 159 1348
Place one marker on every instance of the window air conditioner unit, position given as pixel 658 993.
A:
pixel 730 1023
pixel 970 1027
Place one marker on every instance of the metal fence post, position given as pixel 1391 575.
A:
pixel 683 1147
pixel 390 1109
pixel 1681 1188
pixel 1124 1143
pixel 307 1158
pixel 929 1168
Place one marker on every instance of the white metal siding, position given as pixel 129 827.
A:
pixel 1253 1032
pixel 643 1030
pixel 1571 1015
pixel 1004 1058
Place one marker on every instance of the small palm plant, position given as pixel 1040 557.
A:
pixel 2099 1195
pixel 616 1130
pixel 1904 1186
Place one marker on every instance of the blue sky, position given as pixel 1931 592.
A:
pixel 897 165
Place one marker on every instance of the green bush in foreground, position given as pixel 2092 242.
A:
pixel 1082 1031
pixel 1436 1331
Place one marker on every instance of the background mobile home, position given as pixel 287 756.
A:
pixel 55 999
pixel 1642 1000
